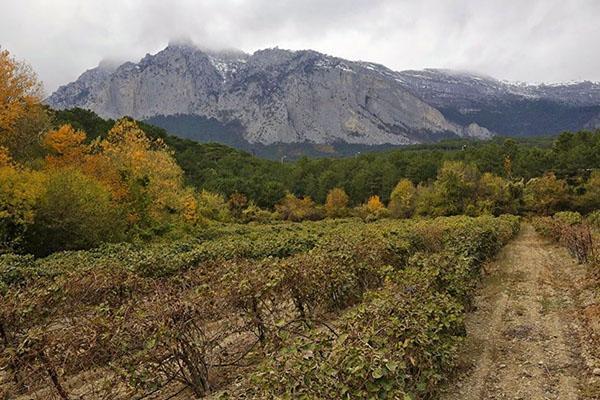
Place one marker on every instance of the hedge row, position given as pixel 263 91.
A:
pixel 201 314
pixel 580 236
pixel 400 342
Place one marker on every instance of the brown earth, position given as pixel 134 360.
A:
pixel 532 335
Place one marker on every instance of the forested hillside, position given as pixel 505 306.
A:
pixel 226 170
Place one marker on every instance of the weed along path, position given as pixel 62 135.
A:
pixel 524 338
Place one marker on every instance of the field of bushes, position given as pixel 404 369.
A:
pixel 580 235
pixel 331 309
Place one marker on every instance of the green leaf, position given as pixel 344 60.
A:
pixel 391 366
pixel 341 339
pixel 151 343
pixel 378 373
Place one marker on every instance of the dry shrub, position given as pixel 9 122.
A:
pixel 577 239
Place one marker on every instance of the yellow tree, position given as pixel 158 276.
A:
pixel 336 204
pixel 295 209
pixel 402 199
pixel 21 115
pixel 66 147
pixel 372 209
pixel 156 194
pixel 20 190
pixel 5 158
pixel 100 166
pixel 189 207
pixel 374 204
pixel 545 194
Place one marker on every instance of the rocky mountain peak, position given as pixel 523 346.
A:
pixel 279 95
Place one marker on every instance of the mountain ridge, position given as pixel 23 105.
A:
pixel 284 96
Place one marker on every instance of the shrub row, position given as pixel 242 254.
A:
pixel 167 259
pixel 572 231
pixel 202 319
pixel 401 340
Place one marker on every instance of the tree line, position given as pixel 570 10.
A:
pixel 539 175
pixel 72 180
pixel 221 169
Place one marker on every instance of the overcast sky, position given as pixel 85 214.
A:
pixel 524 40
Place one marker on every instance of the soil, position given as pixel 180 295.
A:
pixel 531 335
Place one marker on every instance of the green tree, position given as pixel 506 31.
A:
pixel 546 194
pixel 336 204
pixel 454 188
pixel 213 206
pixel 402 199
pixel 425 200
pixel 74 212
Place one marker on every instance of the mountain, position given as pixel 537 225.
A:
pixel 506 108
pixel 594 123
pixel 271 96
pixel 277 96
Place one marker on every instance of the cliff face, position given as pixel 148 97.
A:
pixel 276 95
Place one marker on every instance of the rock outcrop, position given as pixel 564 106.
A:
pixel 278 96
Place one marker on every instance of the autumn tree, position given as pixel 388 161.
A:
pixel 374 204
pixel 373 209
pixel 74 212
pixel 454 188
pixel 402 199
pixel 142 177
pixel 336 204
pixel 65 146
pixel 237 203
pixel 155 194
pixel 297 209
pixel 22 118
pixel 5 157
pixel 545 194
pixel 20 190
pixel 494 195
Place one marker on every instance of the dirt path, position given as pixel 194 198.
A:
pixel 524 339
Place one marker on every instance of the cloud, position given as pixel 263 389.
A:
pixel 534 40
